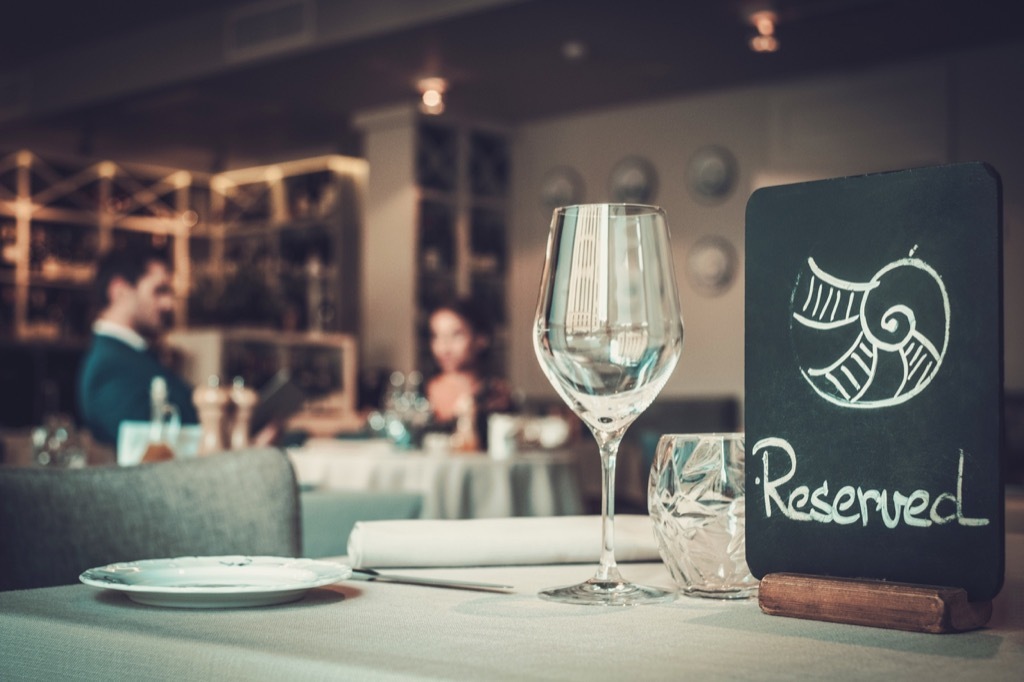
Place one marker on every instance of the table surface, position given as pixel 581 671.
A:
pixel 387 631
pixel 453 486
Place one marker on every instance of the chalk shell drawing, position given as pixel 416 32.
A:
pixel 870 344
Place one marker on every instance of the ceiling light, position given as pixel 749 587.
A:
pixel 764 21
pixel 432 95
pixel 574 50
pixel 764 44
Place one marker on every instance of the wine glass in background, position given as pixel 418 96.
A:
pixel 608 333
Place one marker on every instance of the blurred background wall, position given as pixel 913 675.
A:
pixel 961 108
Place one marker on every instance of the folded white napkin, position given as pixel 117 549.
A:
pixel 497 542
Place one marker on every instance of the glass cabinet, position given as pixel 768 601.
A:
pixel 462 175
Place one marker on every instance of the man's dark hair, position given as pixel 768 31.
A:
pixel 129 263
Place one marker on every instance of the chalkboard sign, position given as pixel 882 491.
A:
pixel 874 378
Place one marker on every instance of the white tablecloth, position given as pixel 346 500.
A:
pixel 454 486
pixel 386 631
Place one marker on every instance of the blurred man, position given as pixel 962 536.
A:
pixel 136 302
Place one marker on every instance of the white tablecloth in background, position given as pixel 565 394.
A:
pixel 454 486
pixel 387 631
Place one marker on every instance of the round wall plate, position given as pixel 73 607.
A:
pixel 711 173
pixel 560 186
pixel 633 181
pixel 712 265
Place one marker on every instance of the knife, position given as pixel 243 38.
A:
pixel 371 574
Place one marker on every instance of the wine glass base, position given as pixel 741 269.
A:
pixel 608 593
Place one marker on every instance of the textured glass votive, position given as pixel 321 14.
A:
pixel 695 497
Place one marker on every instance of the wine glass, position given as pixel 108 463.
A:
pixel 608 333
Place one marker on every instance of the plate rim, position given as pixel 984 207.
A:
pixel 328 572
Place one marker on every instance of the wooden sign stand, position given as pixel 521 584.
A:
pixel 875 603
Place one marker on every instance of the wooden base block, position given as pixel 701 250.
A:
pixel 875 603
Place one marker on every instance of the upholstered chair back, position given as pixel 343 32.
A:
pixel 56 523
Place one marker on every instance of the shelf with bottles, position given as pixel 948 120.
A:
pixel 91 193
pixel 462 175
pixel 8 299
pixel 39 380
pixel 8 247
pixel 322 364
pixel 276 200
pixel 286 234
pixel 289 283
pixel 57 311
pixel 57 214
pixel 244 202
pixel 488 247
pixel 437 246
pixel 489 291
pixel 62 252
pixel 288 194
pixel 437 249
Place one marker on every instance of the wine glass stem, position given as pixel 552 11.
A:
pixel 608 570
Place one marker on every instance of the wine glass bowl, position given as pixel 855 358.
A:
pixel 607 334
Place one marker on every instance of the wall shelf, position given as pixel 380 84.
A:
pixel 275 245
pixel 58 214
pixel 282 247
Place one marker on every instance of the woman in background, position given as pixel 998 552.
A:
pixel 463 393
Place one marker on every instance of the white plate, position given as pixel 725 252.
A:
pixel 216 581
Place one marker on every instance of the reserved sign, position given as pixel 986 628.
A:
pixel 874 378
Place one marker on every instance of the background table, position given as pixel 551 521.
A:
pixel 381 631
pixel 454 486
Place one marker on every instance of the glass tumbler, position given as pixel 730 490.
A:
pixel 696 501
